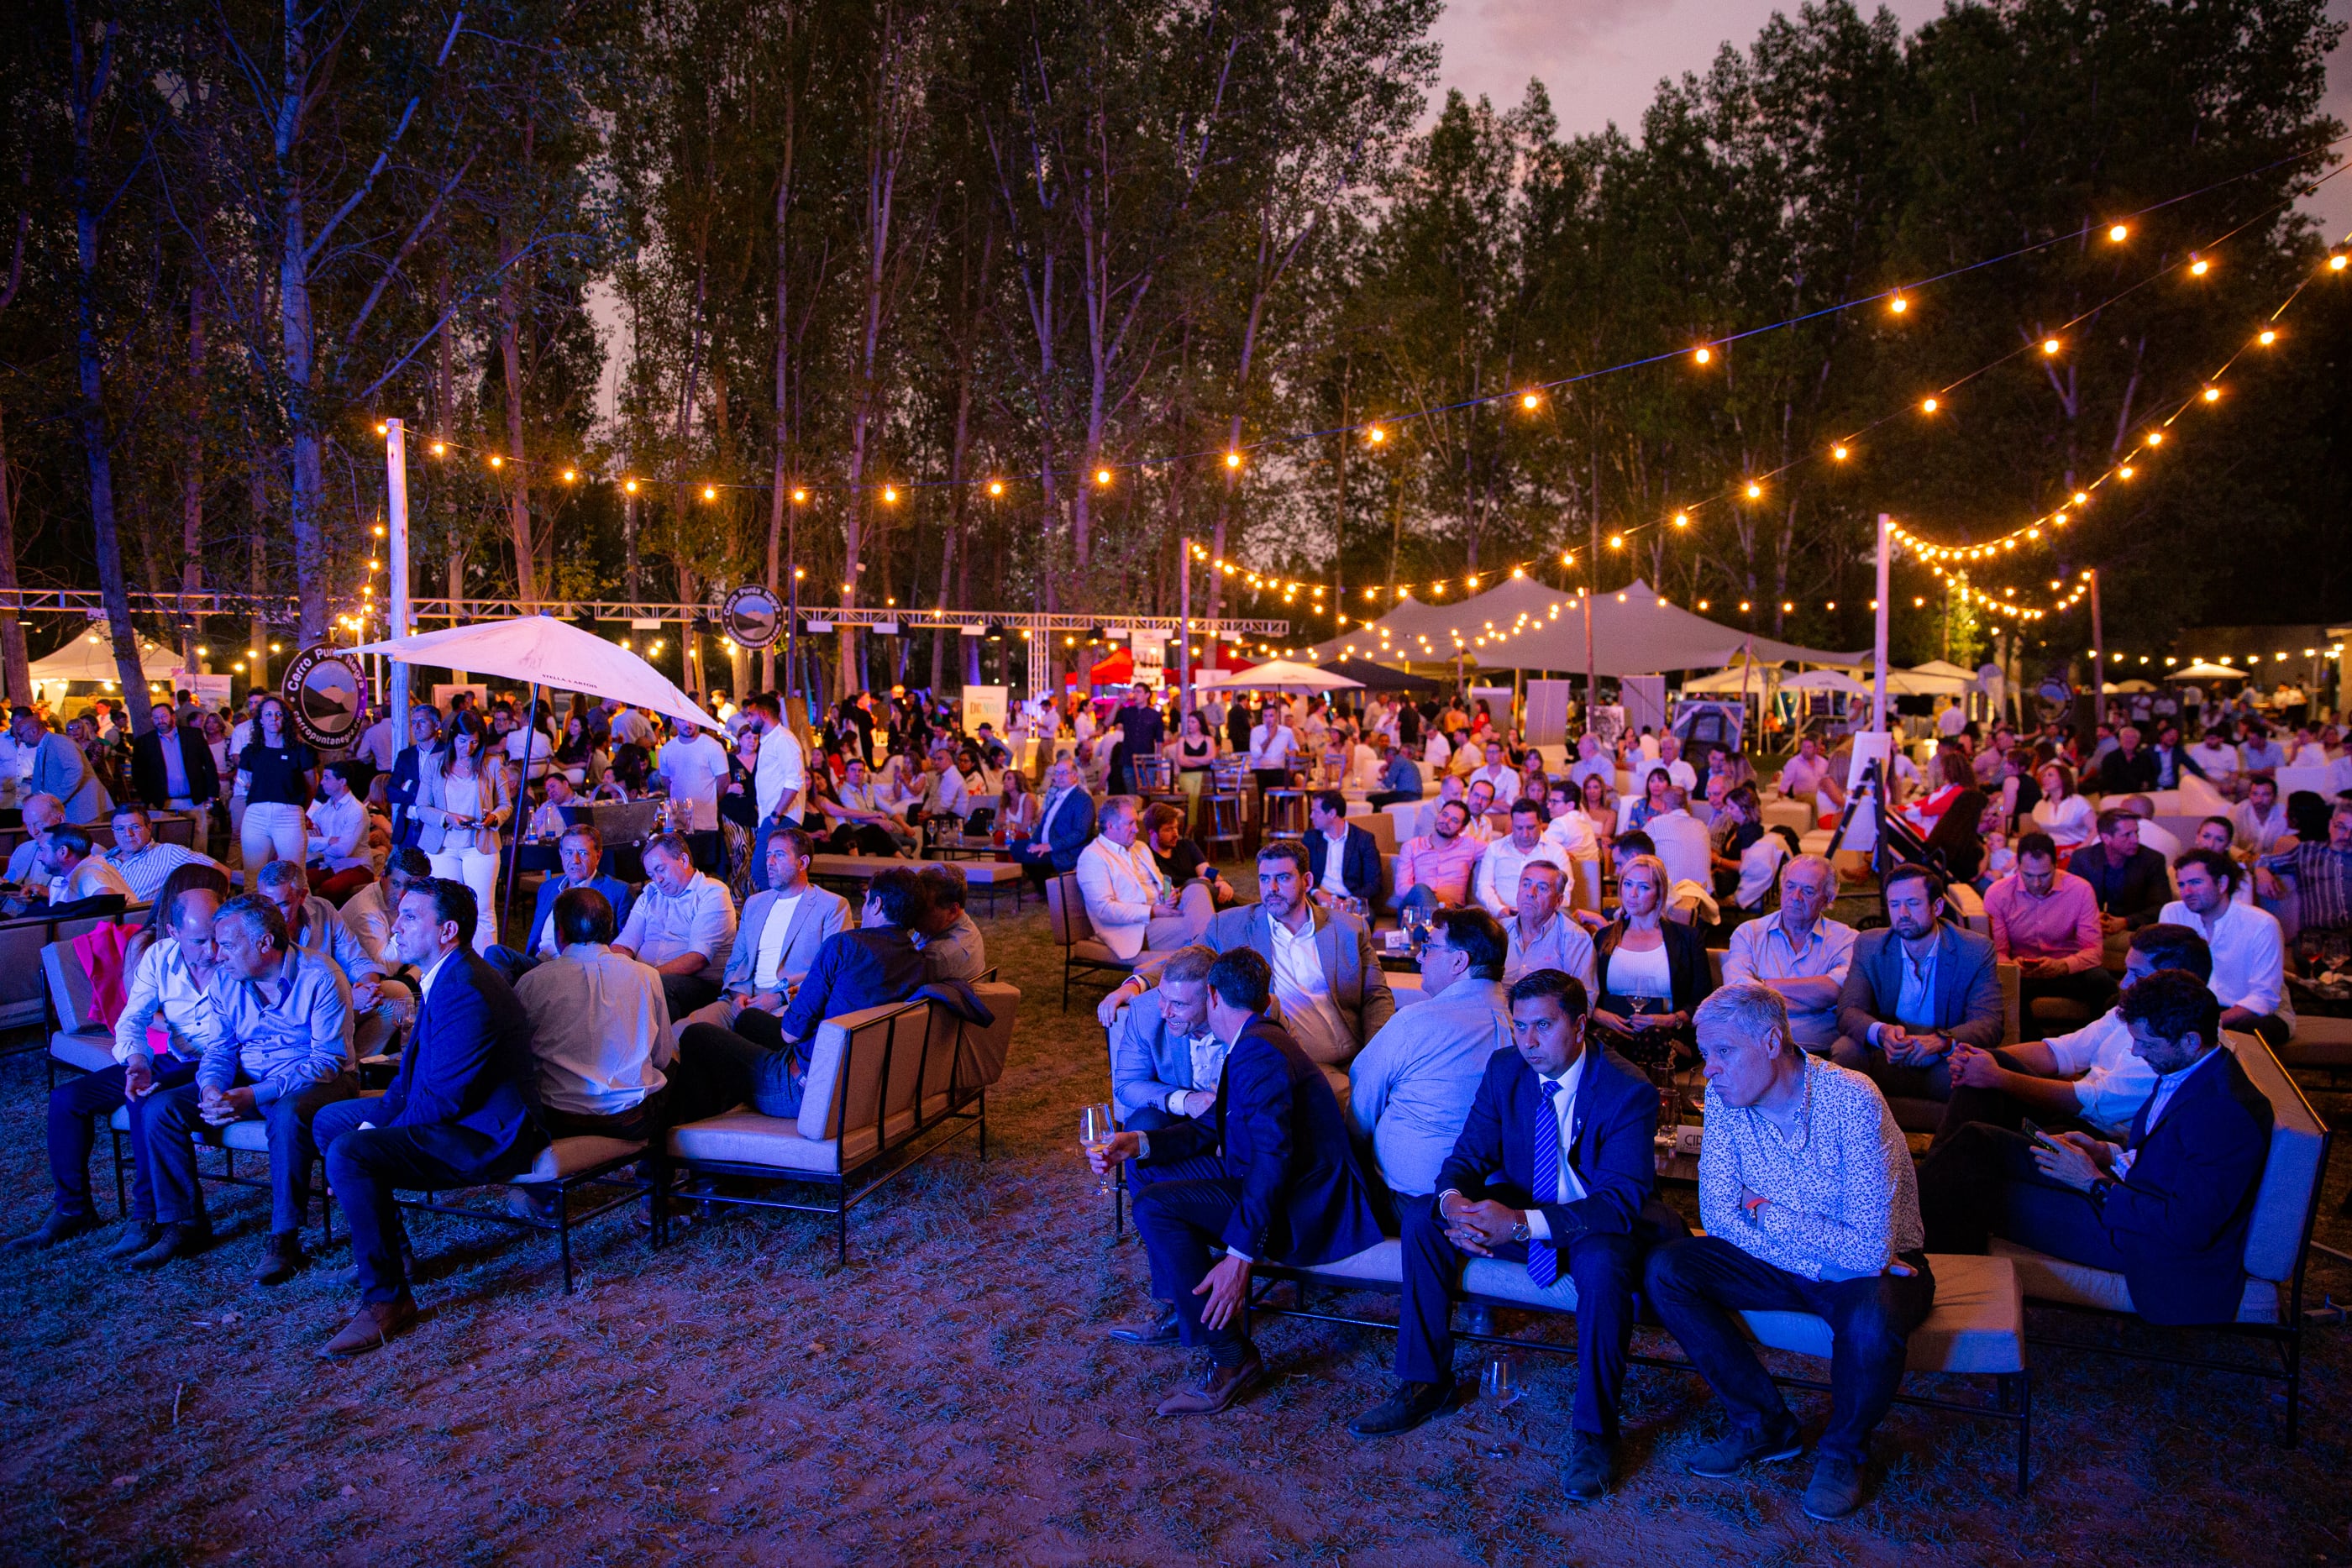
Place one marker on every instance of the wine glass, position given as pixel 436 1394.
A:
pixel 1095 1127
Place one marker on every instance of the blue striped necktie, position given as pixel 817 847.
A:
pixel 1543 1262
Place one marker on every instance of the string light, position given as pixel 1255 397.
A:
pixel 1927 405
pixel 1233 459
pixel 1703 354
pixel 2049 345
pixel 1839 452
pixel 710 492
pixel 2198 267
pixel 1898 304
pixel 1102 475
pixel 1376 435
pixel 2118 234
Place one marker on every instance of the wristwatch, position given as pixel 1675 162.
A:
pixel 1520 1232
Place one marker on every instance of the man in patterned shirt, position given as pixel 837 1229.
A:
pixel 1809 1205
pixel 2322 874
pixel 143 860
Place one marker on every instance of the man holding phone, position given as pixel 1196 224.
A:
pixel 2167 1208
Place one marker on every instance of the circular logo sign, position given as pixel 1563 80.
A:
pixel 326 691
pixel 752 616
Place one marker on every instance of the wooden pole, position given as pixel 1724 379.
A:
pixel 1885 608
pixel 395 556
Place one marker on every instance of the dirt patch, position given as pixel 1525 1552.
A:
pixel 950 1396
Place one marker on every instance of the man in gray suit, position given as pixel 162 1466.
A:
pixel 778 936
pixel 1326 974
pixel 1915 990
pixel 1164 1059
pixel 60 769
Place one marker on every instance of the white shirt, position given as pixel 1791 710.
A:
pixel 1307 1007
pixel 339 833
pixel 1571 1189
pixel 1269 747
pixel 780 771
pixel 1334 852
pixel 694 764
pixel 1953 720
pixel 2113 1084
pixel 1437 751
pixel 92 878
pixel 1496 883
pixel 771 942
pixel 1502 776
pixel 2249 957
pixel 1685 776
pixel 1572 833
pixel 2217 759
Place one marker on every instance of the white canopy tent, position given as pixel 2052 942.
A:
pixel 1739 675
pixel 1277 676
pixel 2201 671
pixel 91 657
pixel 1825 681
pixel 1521 624
pixel 545 651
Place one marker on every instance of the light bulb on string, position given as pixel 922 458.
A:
pixel 2118 232
pixel 1702 354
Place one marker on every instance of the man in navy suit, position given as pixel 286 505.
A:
pixel 1916 989
pixel 1267 1172
pixel 1341 861
pixel 455 1116
pixel 1064 827
pixel 1554 1169
pixel 2167 1210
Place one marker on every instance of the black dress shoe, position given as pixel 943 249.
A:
pixel 136 1237
pixel 1409 1406
pixel 1592 1461
pixel 174 1241
pixel 55 1229
pixel 1163 1330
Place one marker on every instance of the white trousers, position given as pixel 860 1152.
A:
pixel 272 833
pixel 477 869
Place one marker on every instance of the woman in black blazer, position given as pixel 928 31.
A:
pixel 1628 956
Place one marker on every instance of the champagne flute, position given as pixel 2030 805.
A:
pixel 1095 1129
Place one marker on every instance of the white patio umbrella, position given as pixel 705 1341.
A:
pixel 2201 671
pixel 1825 681
pixel 545 651
pixel 1277 676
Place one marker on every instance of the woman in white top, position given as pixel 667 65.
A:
pixel 2065 816
pixel 462 806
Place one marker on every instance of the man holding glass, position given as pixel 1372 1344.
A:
pixel 1266 1172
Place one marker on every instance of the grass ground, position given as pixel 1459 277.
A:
pixel 949 1397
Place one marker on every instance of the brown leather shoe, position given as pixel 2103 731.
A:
pixel 1218 1387
pixel 372 1327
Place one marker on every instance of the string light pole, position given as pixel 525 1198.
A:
pixel 1183 630
pixel 396 555
pixel 1885 608
pixel 2099 655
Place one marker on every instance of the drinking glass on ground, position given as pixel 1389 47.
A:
pixel 1095 1129
pixel 1497 1383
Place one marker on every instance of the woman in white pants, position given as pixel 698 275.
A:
pixel 276 773
pixel 462 806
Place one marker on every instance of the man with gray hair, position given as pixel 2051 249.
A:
pixel 1809 1205
pixel 1165 1065
pixel 276 1045
pixel 1799 952
pixel 1128 897
pixel 380 1007
pixel 41 813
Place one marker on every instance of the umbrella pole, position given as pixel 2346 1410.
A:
pixel 522 803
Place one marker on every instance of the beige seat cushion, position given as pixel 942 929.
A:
pixel 570 1156
pixel 1091 951
pixel 1492 1279
pixel 2048 1279
pixel 744 1136
pixel 91 1051
pixel 2319 1042
pixel 1977 1326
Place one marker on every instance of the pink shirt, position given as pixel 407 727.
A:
pixel 1445 865
pixel 2065 925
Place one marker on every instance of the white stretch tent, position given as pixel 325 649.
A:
pixel 1521 624
pixel 91 657
pixel 1825 681
pixel 545 651
pixel 1277 676
pixel 2200 670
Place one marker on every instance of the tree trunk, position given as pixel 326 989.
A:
pixel 15 666
pixel 192 477
pixel 306 489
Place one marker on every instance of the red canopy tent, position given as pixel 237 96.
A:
pixel 1118 670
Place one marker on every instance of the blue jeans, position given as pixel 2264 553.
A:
pixel 1695 1285
pixel 75 1109
pixel 1419 896
pixel 174 1122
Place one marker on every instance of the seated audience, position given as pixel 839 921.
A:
pixel 1551 1169
pixel 2129 768
pixel 579 852
pixel 1540 933
pixel 274 1043
pixel 600 1029
pixel 1915 990
pixel 2128 881
pixel 1411 1086
pixel 80 880
pixel 1267 1172
pixel 2168 1207
pixel 336 847
pixel 1809 1205
pixel 59 770
pixel 2249 951
pixel 1425 817
pixel 155 1048
pixel 2153 835
pixel 456 1115
pixel 948 937
pixel 762 1058
pixel 1798 953
pixel 782 932
pixel 1652 971
pixel 1342 860
pixel 2065 816
pixel 1495 885
pixel 2088 1079
pixel 1435 873
pixel 1178 857
pixel 1133 907
pixel 368 914
pixel 143 861
pixel 683 923
pixel 2322 875
pixel 380 1008
pixel 2046 922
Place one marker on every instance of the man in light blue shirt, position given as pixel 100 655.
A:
pixel 1410 1089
